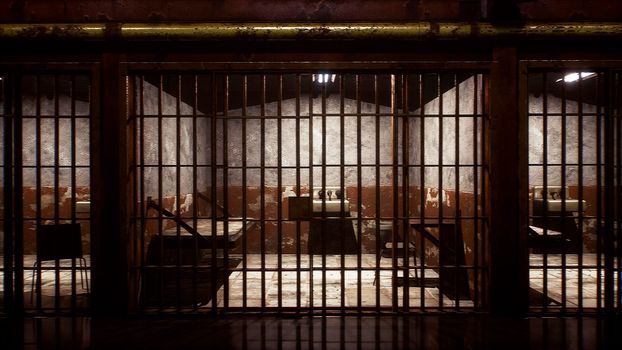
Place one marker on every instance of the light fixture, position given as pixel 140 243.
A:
pixel 324 78
pixel 572 77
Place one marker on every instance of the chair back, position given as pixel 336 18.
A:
pixel 59 241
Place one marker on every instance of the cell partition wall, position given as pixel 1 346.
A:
pixel 46 189
pixel 574 189
pixel 307 190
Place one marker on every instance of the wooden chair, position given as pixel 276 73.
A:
pixel 56 242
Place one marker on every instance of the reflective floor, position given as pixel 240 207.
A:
pixel 383 332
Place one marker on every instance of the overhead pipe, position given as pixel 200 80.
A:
pixel 417 31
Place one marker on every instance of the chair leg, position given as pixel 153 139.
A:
pixel 84 280
pixel 32 282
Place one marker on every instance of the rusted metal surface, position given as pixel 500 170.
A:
pixel 419 31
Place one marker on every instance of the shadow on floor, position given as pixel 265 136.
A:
pixel 350 332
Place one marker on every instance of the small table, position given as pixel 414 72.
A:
pixel 453 281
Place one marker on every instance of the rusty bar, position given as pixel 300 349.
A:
pixel 342 175
pixel 72 163
pixel 406 190
pixel 298 191
pixel 599 195
pixel 262 191
pixel 178 192
pixel 244 194
pixel 580 183
pixel 609 199
pixel 394 194
pixel 195 190
pixel 9 116
pixel 56 142
pixel 279 193
pixel 311 194
pixel 617 98
pixel 440 170
pixel 213 193
pixel 618 161
pixel 323 167
pixel 422 167
pixel 545 180
pixel 359 193
pixel 457 220
pixel 38 177
pixel 378 196
pixel 411 31
pixel 160 191
pixel 141 144
pixel 563 204
pixel 476 168
pixel 225 190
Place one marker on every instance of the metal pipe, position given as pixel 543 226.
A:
pixel 418 31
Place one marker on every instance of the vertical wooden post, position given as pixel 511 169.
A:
pixel 109 241
pixel 508 258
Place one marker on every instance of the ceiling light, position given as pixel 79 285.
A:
pixel 324 78
pixel 572 77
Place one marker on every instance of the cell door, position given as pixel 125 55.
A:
pixel 574 189
pixel 46 189
pixel 307 191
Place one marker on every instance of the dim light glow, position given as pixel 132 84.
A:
pixel 572 77
pixel 324 78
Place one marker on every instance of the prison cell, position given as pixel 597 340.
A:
pixel 317 191
pixel 46 184
pixel 574 177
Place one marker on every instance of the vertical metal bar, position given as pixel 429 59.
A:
pixel 244 195
pixel 311 172
pixel 73 184
pixel 262 190
pixel 214 194
pixel 10 115
pixel 323 89
pixel 457 214
pixel 342 188
pixel 377 216
pixel 485 180
pixel 394 194
pixel 225 190
pixel 298 192
pixel 580 183
pixel 38 177
pixel 422 167
pixel 195 190
pixel 608 196
pixel 18 198
pixel 143 219
pixel 476 167
pixel 57 280
pixel 599 196
pixel 279 195
pixel 617 98
pixel 563 204
pixel 160 192
pixel 440 174
pixel 545 179
pixel 178 192
pixel 406 189
pixel 359 193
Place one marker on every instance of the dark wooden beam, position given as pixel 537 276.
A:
pixel 507 248
pixel 109 243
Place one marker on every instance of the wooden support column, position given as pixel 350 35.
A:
pixel 109 181
pixel 508 255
